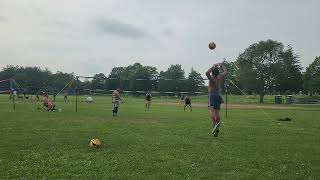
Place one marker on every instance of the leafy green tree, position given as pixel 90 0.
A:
pixel 312 77
pixel 194 82
pixel 233 77
pixel 86 84
pixel 28 78
pixel 8 72
pixel 134 77
pixel 140 76
pixel 170 80
pixel 59 80
pixel 115 78
pixel 98 81
pixel 258 65
pixel 289 76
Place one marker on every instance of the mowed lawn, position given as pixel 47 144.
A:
pixel 163 143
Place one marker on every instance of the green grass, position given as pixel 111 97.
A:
pixel 164 143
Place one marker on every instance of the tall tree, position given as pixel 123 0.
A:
pixel 32 78
pixel 258 64
pixel 312 77
pixel 8 72
pixel 98 81
pixel 140 76
pixel 134 77
pixel 115 77
pixel 194 81
pixel 170 80
pixel 59 80
pixel 232 78
pixel 289 76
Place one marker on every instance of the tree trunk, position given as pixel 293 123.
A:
pixel 261 97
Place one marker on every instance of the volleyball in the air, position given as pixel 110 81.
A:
pixel 212 45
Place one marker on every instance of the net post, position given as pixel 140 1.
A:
pixel 12 94
pixel 226 91
pixel 14 103
pixel 77 78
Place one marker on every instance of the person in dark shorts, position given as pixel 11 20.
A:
pixel 215 99
pixel 116 101
pixel 147 101
pixel 65 97
pixel 187 102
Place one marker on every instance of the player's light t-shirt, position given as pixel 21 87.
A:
pixel 115 96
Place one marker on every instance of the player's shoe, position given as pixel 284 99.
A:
pixel 216 133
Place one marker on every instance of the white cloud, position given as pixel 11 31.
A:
pixel 88 37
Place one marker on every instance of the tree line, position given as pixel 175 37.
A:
pixel 134 77
pixel 265 67
pixel 137 77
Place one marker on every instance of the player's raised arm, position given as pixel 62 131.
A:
pixel 209 71
pixel 225 71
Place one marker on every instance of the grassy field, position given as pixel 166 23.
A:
pixel 163 143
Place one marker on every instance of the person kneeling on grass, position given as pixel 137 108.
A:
pixel 187 102
pixel 215 99
pixel 116 101
pixel 48 104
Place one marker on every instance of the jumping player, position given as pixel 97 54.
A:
pixel 187 102
pixel 147 101
pixel 215 99
pixel 116 101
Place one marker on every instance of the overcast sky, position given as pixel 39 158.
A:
pixel 89 37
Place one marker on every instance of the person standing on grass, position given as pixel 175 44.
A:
pixel 116 101
pixel 147 101
pixel 54 96
pixel 65 97
pixel 37 96
pixel 182 100
pixel 215 99
pixel 187 102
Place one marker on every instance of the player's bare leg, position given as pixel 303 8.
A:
pixel 217 122
pixel 212 118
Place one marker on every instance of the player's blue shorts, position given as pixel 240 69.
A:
pixel 215 99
